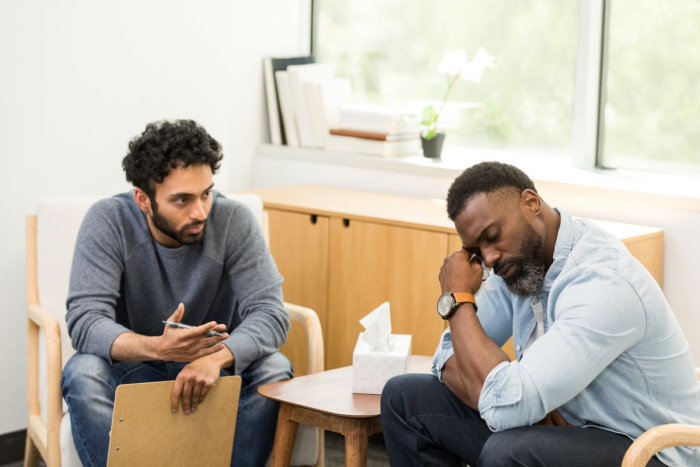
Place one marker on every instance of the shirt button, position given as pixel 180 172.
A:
pixel 517 347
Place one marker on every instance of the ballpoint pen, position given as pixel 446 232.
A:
pixel 173 324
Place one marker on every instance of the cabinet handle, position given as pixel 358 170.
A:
pixel 313 218
pixel 346 222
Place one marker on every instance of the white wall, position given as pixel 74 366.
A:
pixel 79 78
pixel 679 218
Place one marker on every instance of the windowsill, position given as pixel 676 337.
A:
pixel 551 172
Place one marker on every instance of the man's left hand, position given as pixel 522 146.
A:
pixel 196 379
pixel 553 418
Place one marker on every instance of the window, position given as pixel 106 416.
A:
pixel 652 87
pixel 390 50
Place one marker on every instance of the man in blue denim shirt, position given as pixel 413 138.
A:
pixel 600 355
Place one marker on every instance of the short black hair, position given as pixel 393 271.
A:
pixel 166 145
pixel 485 177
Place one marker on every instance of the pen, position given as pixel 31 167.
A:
pixel 173 324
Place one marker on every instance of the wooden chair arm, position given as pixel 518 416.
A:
pixel 658 438
pixel 48 431
pixel 314 336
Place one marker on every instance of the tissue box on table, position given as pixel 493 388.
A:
pixel 372 368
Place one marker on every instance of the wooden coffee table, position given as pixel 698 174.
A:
pixel 326 400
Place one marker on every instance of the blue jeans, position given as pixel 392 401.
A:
pixel 89 384
pixel 425 424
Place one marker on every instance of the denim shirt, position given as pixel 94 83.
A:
pixel 612 356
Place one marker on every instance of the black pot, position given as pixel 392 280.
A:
pixel 432 148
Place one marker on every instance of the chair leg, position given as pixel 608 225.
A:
pixel 31 453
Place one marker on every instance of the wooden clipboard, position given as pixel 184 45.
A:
pixel 146 432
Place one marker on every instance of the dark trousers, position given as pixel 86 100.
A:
pixel 425 424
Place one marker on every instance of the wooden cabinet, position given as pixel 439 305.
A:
pixel 344 252
pixel 299 244
pixel 372 263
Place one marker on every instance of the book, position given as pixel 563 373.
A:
pixel 323 98
pixel 274 114
pixel 379 119
pixel 285 101
pixel 298 75
pixel 409 146
pixel 373 135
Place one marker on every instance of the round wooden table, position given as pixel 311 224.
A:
pixel 326 400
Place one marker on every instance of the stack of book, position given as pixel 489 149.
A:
pixel 378 130
pixel 303 98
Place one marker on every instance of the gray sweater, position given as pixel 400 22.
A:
pixel 123 280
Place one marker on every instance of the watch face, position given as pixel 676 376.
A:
pixel 444 305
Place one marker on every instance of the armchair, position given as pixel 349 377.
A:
pixel 50 240
pixel 658 438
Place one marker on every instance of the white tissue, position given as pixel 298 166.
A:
pixel 377 326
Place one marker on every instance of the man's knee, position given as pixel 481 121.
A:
pixel 400 390
pixel 505 447
pixel 82 367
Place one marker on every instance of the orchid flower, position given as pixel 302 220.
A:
pixel 456 65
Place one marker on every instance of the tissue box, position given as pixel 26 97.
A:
pixel 371 369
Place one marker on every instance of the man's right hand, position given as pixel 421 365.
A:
pixel 460 274
pixel 186 345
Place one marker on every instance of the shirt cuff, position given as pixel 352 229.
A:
pixel 442 354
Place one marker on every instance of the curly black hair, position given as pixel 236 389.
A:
pixel 166 145
pixel 485 177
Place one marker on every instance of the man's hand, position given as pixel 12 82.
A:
pixel 458 274
pixel 186 345
pixel 196 379
pixel 553 418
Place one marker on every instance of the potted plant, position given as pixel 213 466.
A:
pixel 456 65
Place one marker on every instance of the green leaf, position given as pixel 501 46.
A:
pixel 430 134
pixel 429 116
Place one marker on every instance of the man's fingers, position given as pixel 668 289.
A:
pixel 557 419
pixel 203 394
pixel 210 341
pixel 187 396
pixel 177 314
pixel 196 395
pixel 210 326
pixel 210 350
pixel 175 395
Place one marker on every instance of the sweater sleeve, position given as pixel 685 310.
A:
pixel 94 284
pixel 264 322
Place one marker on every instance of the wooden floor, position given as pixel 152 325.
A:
pixel 335 452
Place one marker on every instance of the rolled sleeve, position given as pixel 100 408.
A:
pixel 500 402
pixel 443 352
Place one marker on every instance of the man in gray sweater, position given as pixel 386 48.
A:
pixel 173 250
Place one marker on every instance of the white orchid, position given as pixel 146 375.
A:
pixel 456 64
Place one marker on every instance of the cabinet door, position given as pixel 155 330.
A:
pixel 372 263
pixel 299 244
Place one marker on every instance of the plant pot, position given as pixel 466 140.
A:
pixel 432 148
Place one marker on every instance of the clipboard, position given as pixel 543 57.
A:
pixel 146 432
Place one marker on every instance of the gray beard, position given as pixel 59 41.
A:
pixel 529 279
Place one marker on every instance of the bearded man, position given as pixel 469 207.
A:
pixel 173 249
pixel 600 357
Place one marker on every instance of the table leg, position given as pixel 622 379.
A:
pixel 284 437
pixel 356 440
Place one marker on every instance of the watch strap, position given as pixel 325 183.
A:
pixel 464 297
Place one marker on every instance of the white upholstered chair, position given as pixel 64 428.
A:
pixel 51 236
